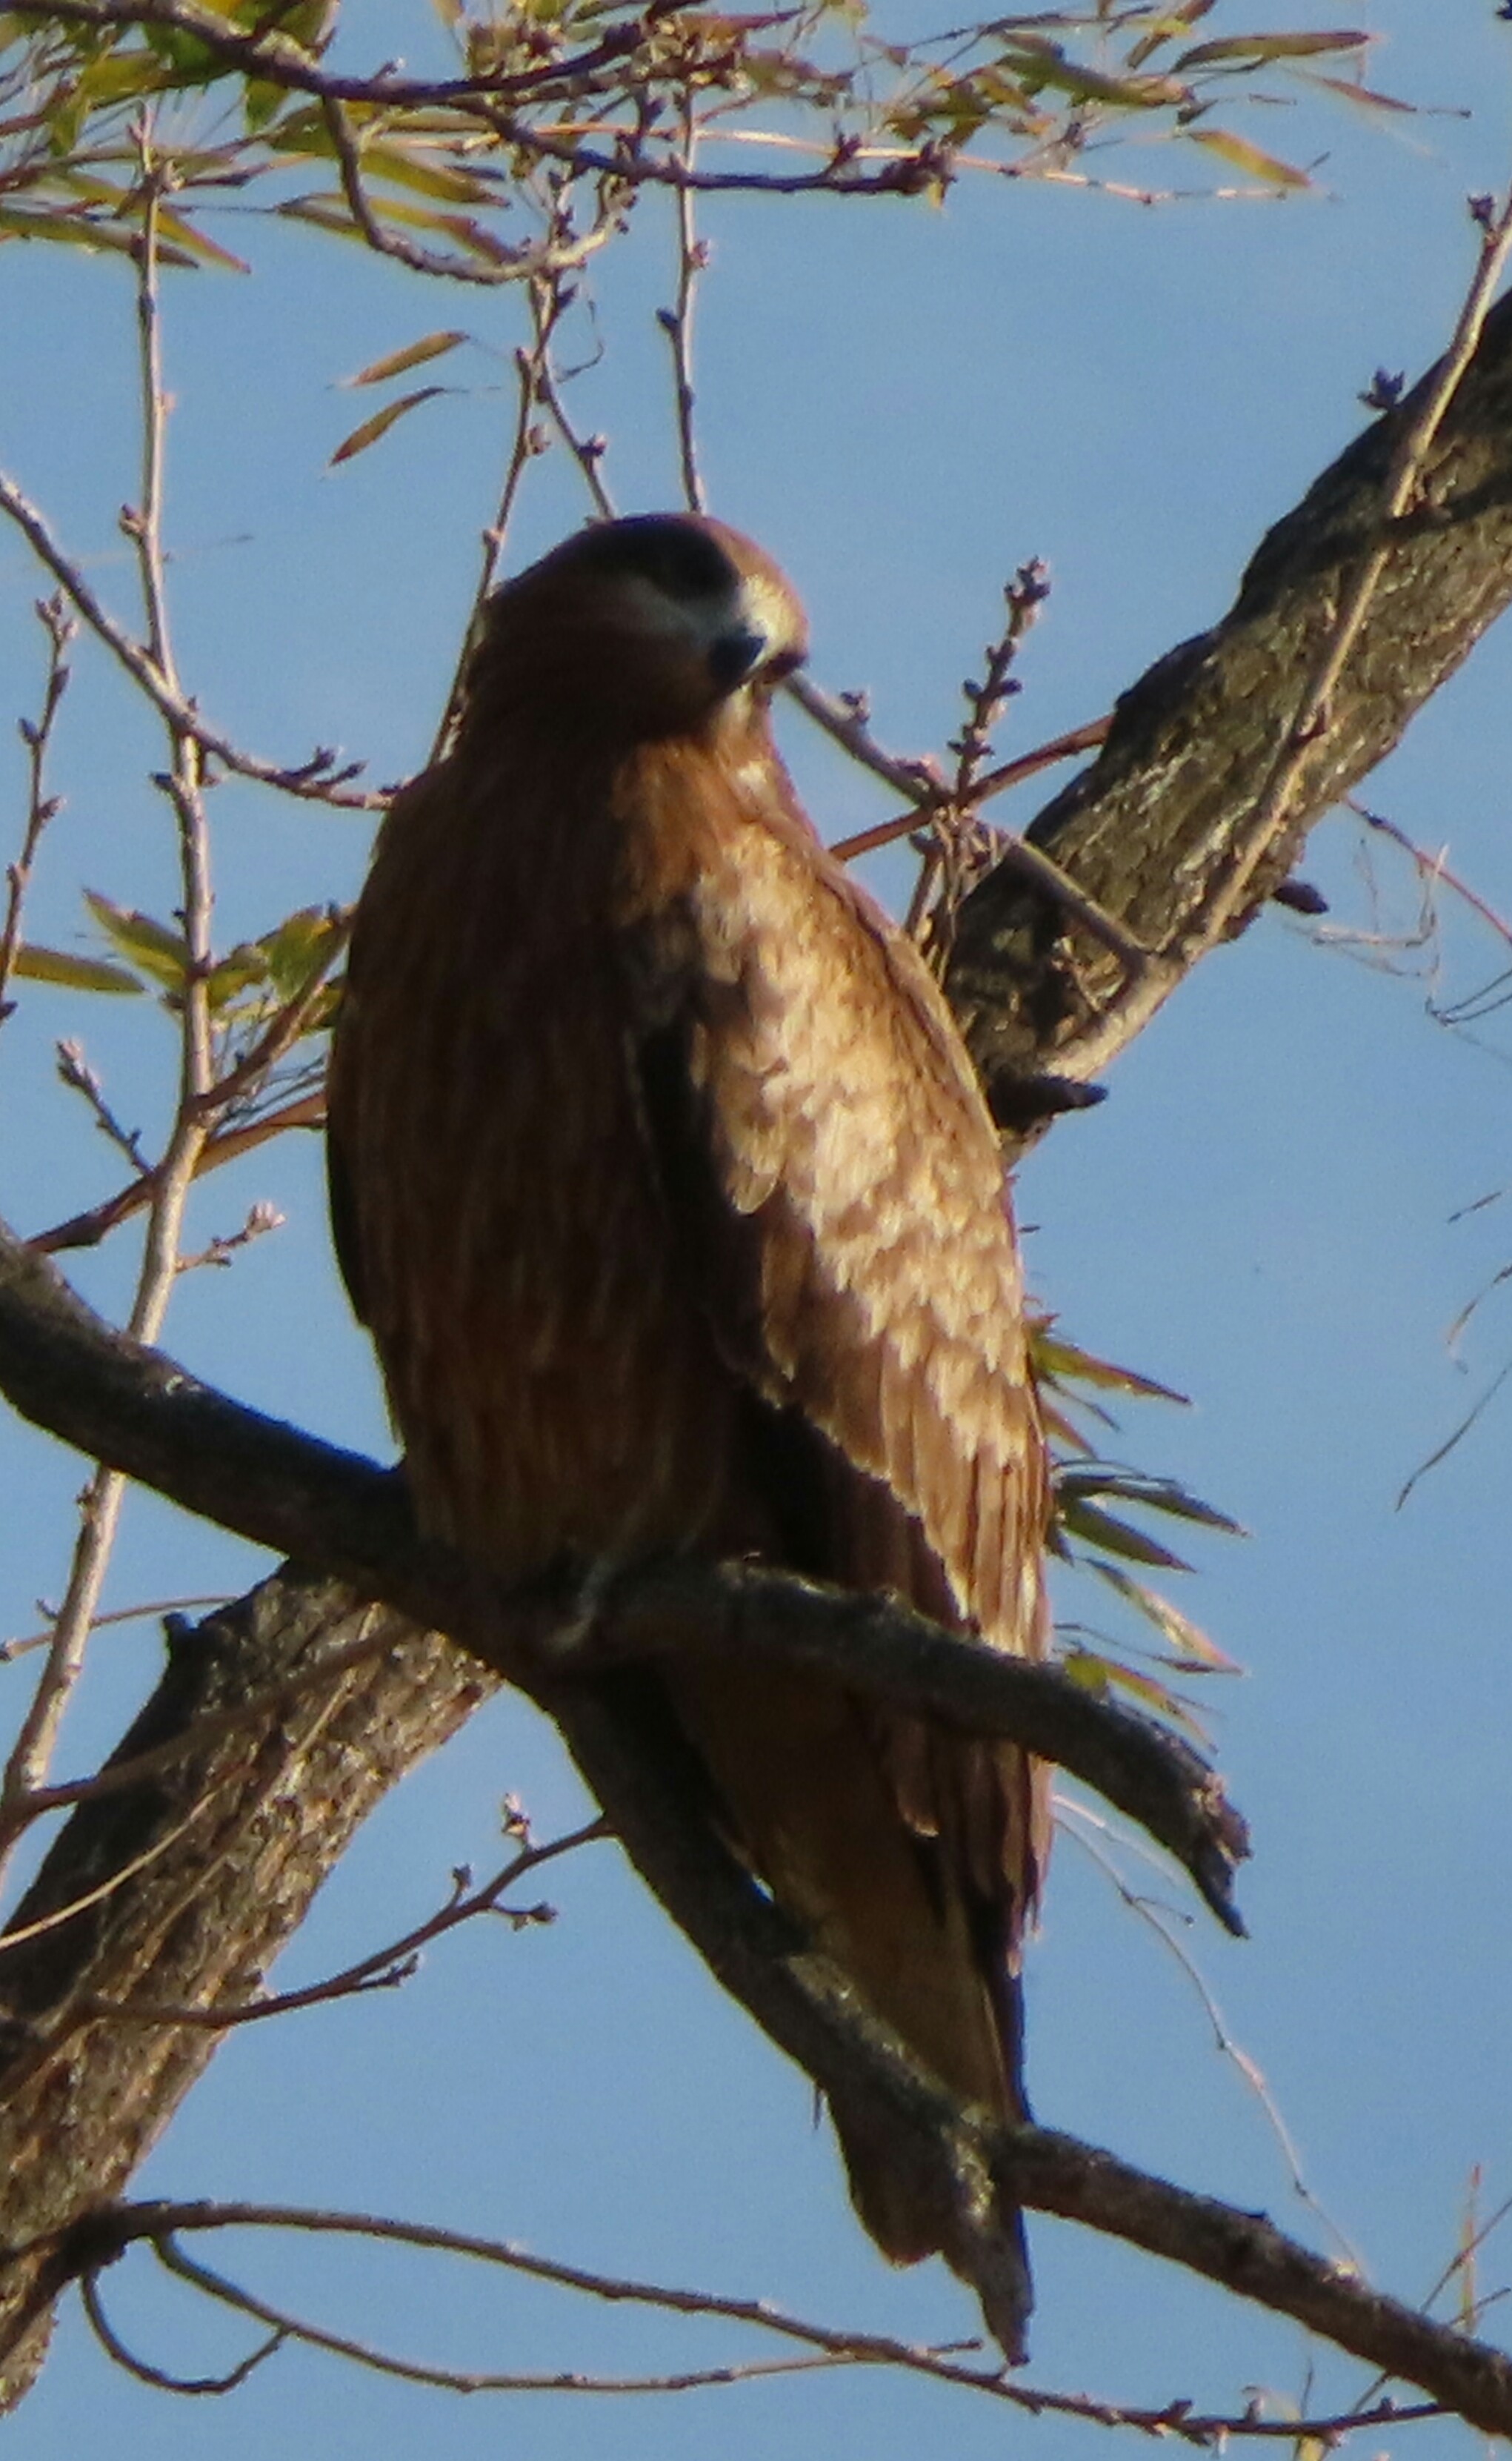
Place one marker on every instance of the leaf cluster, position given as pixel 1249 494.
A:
pixel 448 171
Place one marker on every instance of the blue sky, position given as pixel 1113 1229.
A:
pixel 903 403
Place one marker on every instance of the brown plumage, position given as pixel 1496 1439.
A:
pixel 662 1179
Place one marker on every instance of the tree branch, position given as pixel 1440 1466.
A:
pixel 128 1404
pixel 1154 828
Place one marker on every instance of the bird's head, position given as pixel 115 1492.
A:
pixel 665 624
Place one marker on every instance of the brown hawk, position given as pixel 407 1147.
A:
pixel 663 1181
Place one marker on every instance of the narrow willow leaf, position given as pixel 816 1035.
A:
pixel 381 422
pixel 408 169
pixel 1087 1521
pixel 77 973
pixel 1083 84
pixel 1364 98
pixel 1164 26
pixel 71 230
pixel 1061 1361
pixel 1197 1651
pixel 1270 47
pixel 1099 1675
pixel 1154 1494
pixel 434 346
pixel 187 237
pixel 158 951
pixel 1249 158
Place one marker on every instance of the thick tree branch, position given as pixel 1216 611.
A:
pixel 1153 830
pixel 124 1403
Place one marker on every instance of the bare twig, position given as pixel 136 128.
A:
pixel 587 451
pixel 997 782
pixel 41 807
pixel 101 2237
pixel 157 2377
pixel 529 440
pixel 382 1967
pixel 846 721
pixel 31 1751
pixel 88 1229
pixel 318 780
pixel 1087 1829
pixel 151 1608
pixel 76 1074
pixel 678 321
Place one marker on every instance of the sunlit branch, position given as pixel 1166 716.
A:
pixel 100 2237
pixel 1228 894
pixel 60 1366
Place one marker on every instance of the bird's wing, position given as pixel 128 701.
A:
pixel 833 1174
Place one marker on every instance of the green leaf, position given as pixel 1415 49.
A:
pixel 69 230
pixel 1196 1651
pixel 1256 164
pixel 405 169
pixel 1099 1675
pixel 1035 68
pixel 77 973
pixel 1138 1487
pixel 296 948
pixel 434 346
pixel 1270 47
pixel 1364 98
pixel 1081 1519
pixel 195 243
pixel 160 952
pixel 381 422
pixel 236 973
pixel 1061 1363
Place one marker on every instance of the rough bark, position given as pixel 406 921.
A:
pixel 1152 827
pixel 186 1886
pixel 1150 830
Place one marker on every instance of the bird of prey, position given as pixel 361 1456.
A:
pixel 664 1183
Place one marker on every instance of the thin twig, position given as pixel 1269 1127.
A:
pixel 161 2225
pixel 381 1967
pixel 678 321
pixel 318 780
pixel 152 1607
pixel 41 807
pixel 88 1229
pixel 587 451
pixel 548 257
pixel 1157 1919
pixel 528 443
pixel 31 1752
pixel 996 781
pixel 157 2377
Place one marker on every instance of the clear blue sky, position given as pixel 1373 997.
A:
pixel 903 403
